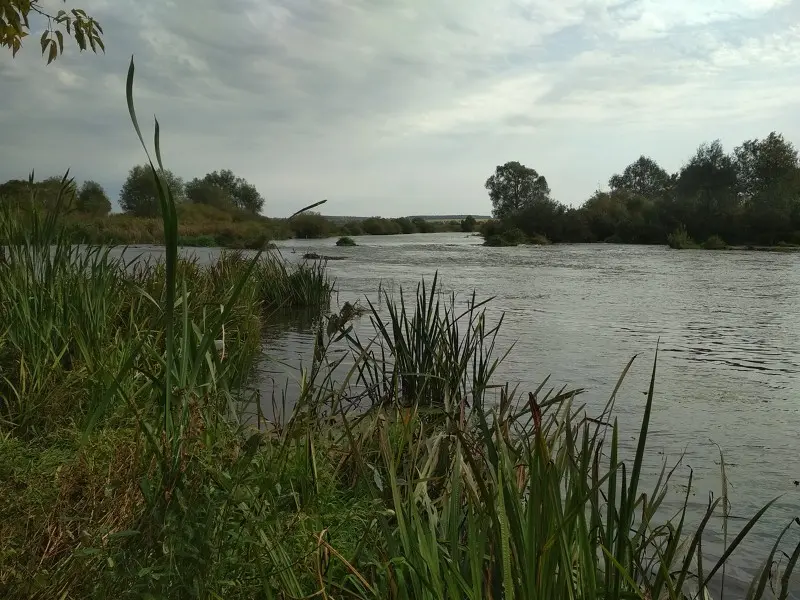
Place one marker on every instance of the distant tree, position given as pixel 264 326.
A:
pixel 310 225
pixel 468 224
pixel 514 187
pixel 245 195
pixel 15 193
pixel 706 194
pixel 763 165
pixel 15 26
pixel 643 177
pixel 200 191
pixel 92 199
pixel 55 192
pixel 139 195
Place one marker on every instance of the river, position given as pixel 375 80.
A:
pixel 726 324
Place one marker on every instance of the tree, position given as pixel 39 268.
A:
pixel 468 224
pixel 139 195
pixel 643 177
pixel 245 195
pixel 199 191
pixel 15 26
pixel 54 192
pixel 707 200
pixel 764 164
pixel 514 187
pixel 92 199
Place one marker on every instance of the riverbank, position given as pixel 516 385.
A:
pixel 134 459
pixel 206 226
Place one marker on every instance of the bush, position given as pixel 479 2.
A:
pixel 346 241
pixel 540 240
pixel 680 239
pixel 715 243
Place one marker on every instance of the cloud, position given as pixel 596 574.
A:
pixel 404 106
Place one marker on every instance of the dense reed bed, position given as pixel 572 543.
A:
pixel 127 472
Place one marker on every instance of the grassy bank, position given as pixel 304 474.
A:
pixel 128 470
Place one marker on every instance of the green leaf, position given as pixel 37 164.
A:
pixel 53 52
pixel 43 41
pixel 60 37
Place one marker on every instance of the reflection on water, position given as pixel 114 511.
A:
pixel 726 325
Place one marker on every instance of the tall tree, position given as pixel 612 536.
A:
pixel 514 187
pixel 15 27
pixel 643 177
pixel 762 165
pixel 707 199
pixel 200 191
pixel 244 194
pixel 139 194
pixel 92 199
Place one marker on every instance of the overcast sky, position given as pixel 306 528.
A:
pixel 397 107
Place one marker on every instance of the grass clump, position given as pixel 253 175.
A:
pixel 681 240
pixel 346 241
pixel 715 242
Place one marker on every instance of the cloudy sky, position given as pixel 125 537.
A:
pixel 397 107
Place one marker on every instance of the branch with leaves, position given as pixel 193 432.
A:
pixel 15 26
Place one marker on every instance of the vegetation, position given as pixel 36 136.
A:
pixel 748 197
pixel 129 467
pixel 680 240
pixel 15 27
pixel 346 241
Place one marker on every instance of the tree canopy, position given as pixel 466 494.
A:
pixel 244 195
pixel 15 26
pixel 750 196
pixel 514 187
pixel 92 199
pixel 139 195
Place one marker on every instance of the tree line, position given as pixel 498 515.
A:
pixel 749 196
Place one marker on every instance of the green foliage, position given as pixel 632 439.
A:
pixel 750 197
pixel 715 243
pixel 514 187
pixel 642 178
pixel 139 193
pixel 15 27
pixel 681 240
pixel 468 224
pixel 346 241
pixel 92 199
pixel 242 194
pixel 210 194
pixel 311 225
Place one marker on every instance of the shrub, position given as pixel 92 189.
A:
pixel 346 241
pixel 715 243
pixel 540 240
pixel 680 239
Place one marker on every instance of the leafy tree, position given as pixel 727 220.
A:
pixel 643 177
pixel 763 165
pixel 514 187
pixel 15 26
pixel 468 224
pixel 139 195
pixel 15 193
pixel 245 195
pixel 310 225
pixel 55 192
pixel 707 198
pixel 200 191
pixel 92 199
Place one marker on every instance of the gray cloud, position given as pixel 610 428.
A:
pixel 402 106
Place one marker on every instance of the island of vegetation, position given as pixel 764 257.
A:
pixel 750 198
